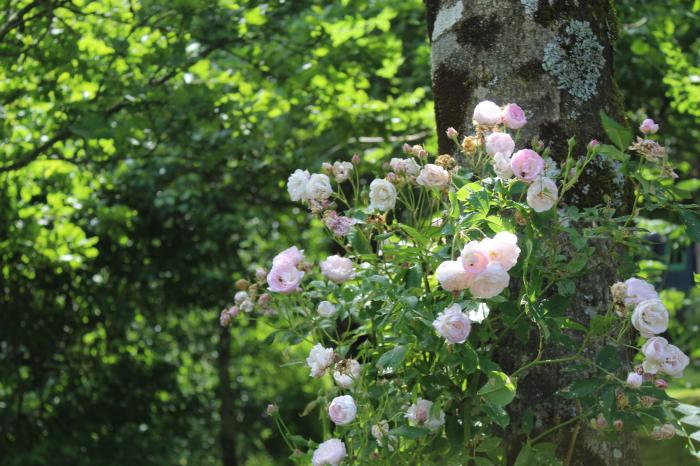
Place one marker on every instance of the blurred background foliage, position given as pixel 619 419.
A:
pixel 144 147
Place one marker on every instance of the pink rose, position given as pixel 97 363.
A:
pixel 474 257
pixel 292 256
pixel 513 116
pixel 433 176
pixel 337 269
pixel 487 113
pixel 419 414
pixel 502 249
pixel 487 284
pixel 284 278
pixel 452 276
pixel 527 164
pixel 663 358
pixel 329 453
pixel 542 194
pixel 639 290
pixel 342 410
pixel 453 324
pixel 648 126
pixel 499 142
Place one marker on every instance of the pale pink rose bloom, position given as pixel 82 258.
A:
pixel 284 278
pixel 503 249
pixel 452 324
pixel 292 256
pixel 339 225
pixel 346 372
pixel 487 113
pixel 527 164
pixel 329 453
pixel 337 269
pixel 663 358
pixel 639 290
pixel 542 194
pixel 650 317
pixel 319 360
pixel 499 142
pixel 513 116
pixel 404 166
pixel 342 410
pixel 418 414
pixel 452 276
pixel 634 380
pixel 501 165
pixel 492 281
pixel 433 176
pixel 474 257
pixel 648 126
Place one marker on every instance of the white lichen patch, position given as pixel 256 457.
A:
pixel 576 60
pixel 530 6
pixel 446 18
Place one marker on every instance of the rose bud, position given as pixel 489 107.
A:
pixel 452 133
pixel 662 384
pixel 618 424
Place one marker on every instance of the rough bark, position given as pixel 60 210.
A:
pixel 554 58
pixel 227 436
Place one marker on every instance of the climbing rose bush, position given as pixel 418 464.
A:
pixel 443 265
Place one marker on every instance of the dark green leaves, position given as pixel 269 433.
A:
pixel 499 389
pixel 619 135
pixel 392 358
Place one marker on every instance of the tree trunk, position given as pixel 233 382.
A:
pixel 553 58
pixel 227 436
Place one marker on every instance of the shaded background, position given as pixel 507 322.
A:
pixel 144 148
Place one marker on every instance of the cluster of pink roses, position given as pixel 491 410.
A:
pixel 286 273
pixel 650 317
pixel 483 266
pixel 526 164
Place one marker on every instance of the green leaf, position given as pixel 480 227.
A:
pixel 613 153
pixel 528 421
pixel 392 358
pixel 359 242
pixel 619 135
pixel 542 454
pixel 497 414
pixel 415 235
pixel 409 432
pixel 608 358
pixel 499 389
pixel 691 220
pixel 488 444
pixel 580 388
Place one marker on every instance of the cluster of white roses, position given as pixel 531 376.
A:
pixel 526 164
pixel 483 266
pixel 650 318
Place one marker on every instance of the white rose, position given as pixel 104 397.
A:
pixel 650 317
pixel 487 113
pixel 341 171
pixel 542 194
pixel 342 410
pixel 499 142
pixel 379 431
pixel 318 187
pixel 346 372
pixel 239 297
pixel 452 276
pixel 326 309
pixel 664 358
pixel 634 380
pixel 296 185
pixel 329 453
pixel 433 176
pixel 337 269
pixel 675 362
pixel 319 360
pixel 382 195
pixel 501 165
pixel 418 414
pixel 639 290
pixel 453 324
pixel 490 282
